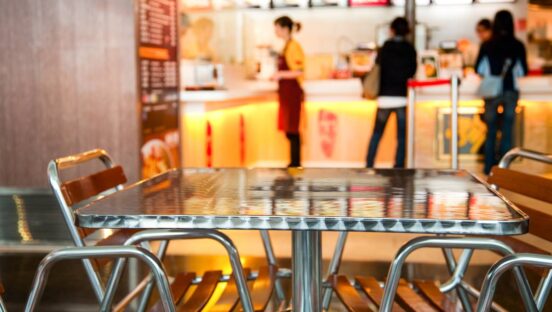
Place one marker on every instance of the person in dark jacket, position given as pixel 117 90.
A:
pixel 503 55
pixel 397 61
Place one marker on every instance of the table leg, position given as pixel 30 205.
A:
pixel 306 266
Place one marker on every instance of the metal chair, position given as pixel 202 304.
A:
pixel 73 194
pixel 423 295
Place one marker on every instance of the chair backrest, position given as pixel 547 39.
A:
pixel 77 192
pixel 528 185
pixel 72 194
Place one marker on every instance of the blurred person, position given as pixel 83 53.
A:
pixel 469 49
pixel 290 91
pixel 397 61
pixel 484 30
pixel 502 54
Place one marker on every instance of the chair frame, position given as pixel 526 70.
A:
pixel 516 261
pixel 54 168
pixel 73 253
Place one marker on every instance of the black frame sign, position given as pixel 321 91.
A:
pixel 158 84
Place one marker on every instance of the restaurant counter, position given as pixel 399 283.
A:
pixel 238 126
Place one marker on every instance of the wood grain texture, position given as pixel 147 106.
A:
pixel 433 295
pixel 373 290
pixel 230 297
pixel 75 191
pixel 529 185
pixel 347 293
pixel 68 84
pixel 202 293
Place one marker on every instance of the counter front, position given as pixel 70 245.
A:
pixel 238 127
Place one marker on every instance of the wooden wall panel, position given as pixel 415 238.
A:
pixel 67 84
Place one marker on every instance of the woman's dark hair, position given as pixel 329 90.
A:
pixel 485 23
pixel 503 24
pixel 400 26
pixel 286 22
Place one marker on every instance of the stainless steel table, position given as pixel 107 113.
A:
pixel 308 202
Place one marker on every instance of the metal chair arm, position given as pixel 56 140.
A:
pixel 505 264
pixel 74 253
pixel 395 269
pixel 514 153
pixel 73 160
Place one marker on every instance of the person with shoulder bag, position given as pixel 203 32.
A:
pixel 395 64
pixel 500 62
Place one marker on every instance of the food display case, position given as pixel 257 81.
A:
pixel 365 3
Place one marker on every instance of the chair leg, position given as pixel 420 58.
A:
pixel 457 270
pixel 333 269
pixel 144 299
pixel 271 257
pixel 544 290
pixel 168 235
pixel 100 252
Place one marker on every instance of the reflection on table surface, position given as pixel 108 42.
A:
pixel 342 193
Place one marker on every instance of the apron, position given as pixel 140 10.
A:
pixel 290 98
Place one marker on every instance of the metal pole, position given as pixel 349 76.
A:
pixel 410 110
pixel 454 122
pixel 410 15
pixel 306 266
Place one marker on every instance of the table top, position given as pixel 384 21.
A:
pixel 363 200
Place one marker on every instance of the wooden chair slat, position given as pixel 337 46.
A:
pixel 522 183
pixel 348 295
pixel 371 287
pixel 410 300
pixel 75 191
pixel 179 286
pixel 230 297
pixel 520 246
pixel 433 295
pixel 539 222
pixel 263 287
pixel 203 292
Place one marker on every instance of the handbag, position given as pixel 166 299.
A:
pixel 371 83
pixel 491 85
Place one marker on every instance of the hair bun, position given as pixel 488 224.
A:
pixel 297 26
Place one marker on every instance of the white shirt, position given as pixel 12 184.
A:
pixel 391 101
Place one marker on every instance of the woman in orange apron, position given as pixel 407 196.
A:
pixel 290 91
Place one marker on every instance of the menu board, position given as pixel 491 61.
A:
pixel 158 85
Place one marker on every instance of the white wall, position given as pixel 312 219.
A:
pixel 239 31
